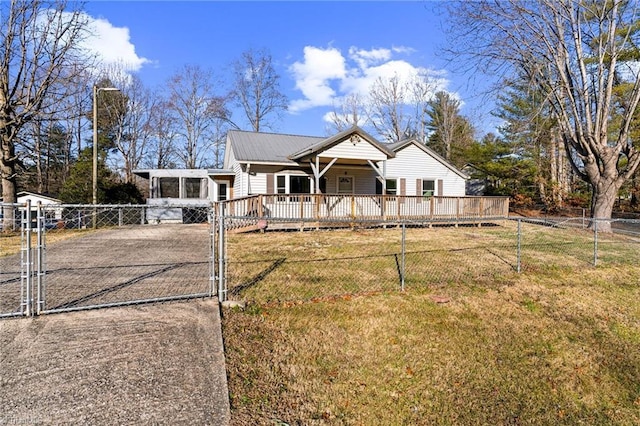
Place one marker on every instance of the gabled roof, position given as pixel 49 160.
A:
pixel 267 147
pixel 333 140
pixel 397 146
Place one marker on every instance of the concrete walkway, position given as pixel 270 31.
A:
pixel 146 364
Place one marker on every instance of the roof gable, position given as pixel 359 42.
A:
pixel 354 135
pixel 398 146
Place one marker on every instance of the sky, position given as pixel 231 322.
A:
pixel 322 51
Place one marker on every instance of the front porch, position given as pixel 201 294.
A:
pixel 320 210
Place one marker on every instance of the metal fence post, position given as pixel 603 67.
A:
pixel 595 241
pixel 40 257
pixel 27 261
pixel 120 217
pixel 519 245
pixel 222 291
pixel 404 239
pixel 213 222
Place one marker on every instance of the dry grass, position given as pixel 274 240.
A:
pixel 10 242
pixel 558 344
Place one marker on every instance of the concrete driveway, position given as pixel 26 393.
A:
pixel 146 364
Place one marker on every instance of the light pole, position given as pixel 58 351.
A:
pixel 97 90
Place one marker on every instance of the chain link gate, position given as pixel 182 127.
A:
pixel 64 267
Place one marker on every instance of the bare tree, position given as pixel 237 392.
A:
pixel 257 89
pixel 397 108
pixel 195 106
pixel 351 112
pixel 131 121
pixel 388 99
pixel 39 53
pixel 576 52
pixel 161 152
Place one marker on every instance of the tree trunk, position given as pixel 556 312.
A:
pixel 8 174
pixel 602 201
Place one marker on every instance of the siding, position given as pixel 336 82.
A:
pixel 362 150
pixel 365 179
pixel 412 163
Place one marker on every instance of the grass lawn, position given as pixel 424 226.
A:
pixel 553 345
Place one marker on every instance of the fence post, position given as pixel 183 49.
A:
pixel 120 218
pixel 404 240
pixel 41 257
pixel 518 255
pixel 222 292
pixel 27 261
pixel 595 241
pixel 213 228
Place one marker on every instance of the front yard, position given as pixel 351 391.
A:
pixel 557 344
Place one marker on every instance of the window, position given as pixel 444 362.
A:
pixel 392 187
pixel 222 192
pixel 293 184
pixel 169 187
pixel 282 186
pixel 299 185
pixel 192 187
pixel 345 185
pixel 428 188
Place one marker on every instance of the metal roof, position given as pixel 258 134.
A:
pixel 267 147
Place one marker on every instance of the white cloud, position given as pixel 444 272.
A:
pixel 325 76
pixel 112 45
pixel 314 75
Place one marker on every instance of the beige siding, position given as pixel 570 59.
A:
pixel 412 163
pixel 239 187
pixel 258 183
pixel 362 150
pixel 364 179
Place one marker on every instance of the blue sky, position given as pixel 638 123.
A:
pixel 322 50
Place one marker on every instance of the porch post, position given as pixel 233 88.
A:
pixel 383 204
pixel 316 174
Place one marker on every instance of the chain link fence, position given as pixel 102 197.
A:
pixel 73 257
pixel 69 257
pixel 342 259
pixel 14 260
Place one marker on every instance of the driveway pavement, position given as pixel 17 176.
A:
pixel 145 364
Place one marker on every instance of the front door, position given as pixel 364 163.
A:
pixel 345 185
pixel 222 191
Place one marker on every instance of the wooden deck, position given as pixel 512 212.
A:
pixel 313 211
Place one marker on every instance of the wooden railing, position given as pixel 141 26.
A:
pixel 331 207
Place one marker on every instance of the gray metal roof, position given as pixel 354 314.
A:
pixel 267 147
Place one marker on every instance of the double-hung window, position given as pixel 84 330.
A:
pixel 392 187
pixel 428 188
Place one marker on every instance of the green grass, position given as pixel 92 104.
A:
pixel 557 344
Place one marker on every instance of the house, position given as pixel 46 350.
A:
pixel 351 162
pixel 52 213
pixel 295 170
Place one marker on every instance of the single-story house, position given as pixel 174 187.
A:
pixel 349 163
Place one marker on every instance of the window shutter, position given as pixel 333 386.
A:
pixel 440 189
pixel 403 189
pixel 270 189
pixel 419 190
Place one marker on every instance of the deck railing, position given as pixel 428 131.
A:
pixel 249 211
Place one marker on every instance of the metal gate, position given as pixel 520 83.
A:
pixel 84 257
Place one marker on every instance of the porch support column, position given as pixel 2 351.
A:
pixel 382 174
pixel 317 173
pixel 382 177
